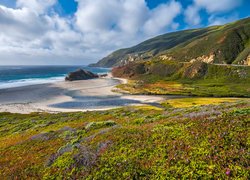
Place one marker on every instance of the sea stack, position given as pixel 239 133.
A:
pixel 80 74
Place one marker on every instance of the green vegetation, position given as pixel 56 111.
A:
pixel 197 101
pixel 97 125
pixel 219 44
pixel 196 138
pixel 192 79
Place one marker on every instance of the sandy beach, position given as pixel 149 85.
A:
pixel 87 95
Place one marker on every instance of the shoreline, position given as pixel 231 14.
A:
pixel 61 96
pixel 30 82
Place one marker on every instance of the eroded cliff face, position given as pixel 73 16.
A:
pixel 206 59
pixel 134 57
pixel 209 59
pixel 193 70
pixel 129 59
pixel 166 57
pixel 247 61
pixel 196 69
pixel 129 70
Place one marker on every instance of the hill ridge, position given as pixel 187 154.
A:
pixel 224 44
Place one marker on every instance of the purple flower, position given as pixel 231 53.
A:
pixel 228 172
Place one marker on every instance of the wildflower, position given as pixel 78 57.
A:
pixel 228 172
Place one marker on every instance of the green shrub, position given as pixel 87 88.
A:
pixel 98 125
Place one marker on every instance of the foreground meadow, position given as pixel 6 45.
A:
pixel 184 138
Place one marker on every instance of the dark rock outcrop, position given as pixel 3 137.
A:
pixel 103 75
pixel 80 74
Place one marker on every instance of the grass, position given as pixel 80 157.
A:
pixel 197 101
pixel 189 139
pixel 97 125
pixel 205 89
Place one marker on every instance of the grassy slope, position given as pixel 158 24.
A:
pixel 152 47
pixel 226 42
pixel 229 43
pixel 177 141
pixel 195 79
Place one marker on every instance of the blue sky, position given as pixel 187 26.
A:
pixel 83 31
pixel 69 7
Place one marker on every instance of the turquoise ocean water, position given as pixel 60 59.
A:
pixel 16 76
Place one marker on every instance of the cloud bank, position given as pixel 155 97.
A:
pixel 34 33
pixel 213 8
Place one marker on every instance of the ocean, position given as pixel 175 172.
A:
pixel 16 76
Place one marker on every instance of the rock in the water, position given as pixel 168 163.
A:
pixel 103 75
pixel 80 74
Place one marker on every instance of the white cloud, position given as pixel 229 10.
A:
pixel 214 20
pixel 33 32
pixel 135 13
pixel 113 24
pixel 161 17
pixel 212 7
pixel 192 16
pixel 97 15
pixel 16 22
pixel 37 6
pixel 28 35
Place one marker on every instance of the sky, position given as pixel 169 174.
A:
pixel 79 32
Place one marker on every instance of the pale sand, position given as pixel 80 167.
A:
pixel 95 94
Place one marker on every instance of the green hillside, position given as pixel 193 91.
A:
pixel 195 79
pixel 225 44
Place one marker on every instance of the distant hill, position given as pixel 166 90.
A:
pixel 226 44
